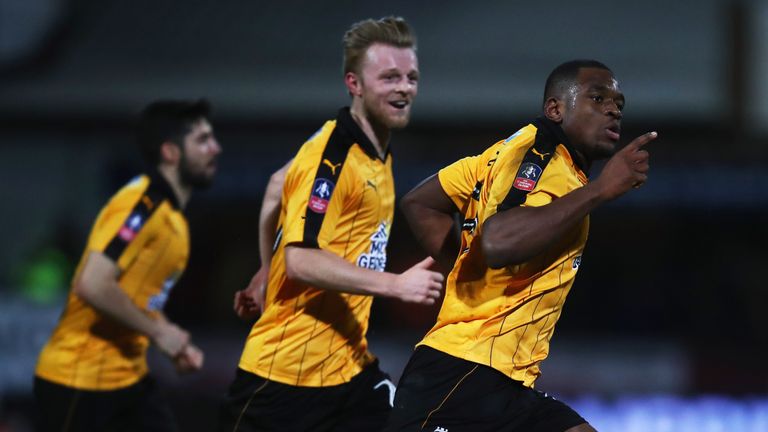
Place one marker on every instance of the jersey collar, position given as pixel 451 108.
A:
pixel 353 132
pixel 161 185
pixel 553 132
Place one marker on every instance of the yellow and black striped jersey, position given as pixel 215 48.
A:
pixel 505 318
pixel 338 196
pixel 143 231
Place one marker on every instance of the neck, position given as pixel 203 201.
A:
pixel 375 131
pixel 582 160
pixel 576 149
pixel 171 175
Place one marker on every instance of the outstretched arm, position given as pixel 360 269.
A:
pixel 430 214
pixel 516 235
pixel 325 270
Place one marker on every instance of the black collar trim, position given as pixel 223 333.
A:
pixel 158 182
pixel 352 130
pixel 553 132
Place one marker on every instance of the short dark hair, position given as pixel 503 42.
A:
pixel 393 31
pixel 563 76
pixel 168 120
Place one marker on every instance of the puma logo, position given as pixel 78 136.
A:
pixel 539 154
pixel 331 165
pixel 147 202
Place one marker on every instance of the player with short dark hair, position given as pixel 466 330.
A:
pixel 306 364
pixel 92 374
pixel 525 202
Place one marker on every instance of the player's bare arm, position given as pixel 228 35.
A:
pixel 430 214
pixel 189 359
pixel 325 270
pixel 97 286
pixel 516 235
pixel 249 302
pixel 270 213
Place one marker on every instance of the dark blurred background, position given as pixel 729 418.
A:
pixel 669 306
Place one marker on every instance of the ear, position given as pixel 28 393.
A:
pixel 354 84
pixel 553 109
pixel 170 152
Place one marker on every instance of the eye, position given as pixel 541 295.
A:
pixel 203 138
pixel 597 98
pixel 413 78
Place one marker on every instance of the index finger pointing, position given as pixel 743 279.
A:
pixel 642 140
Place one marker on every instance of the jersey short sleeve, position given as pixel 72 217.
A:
pixel 310 184
pixel 522 176
pixel 120 231
pixel 459 179
pixel 296 193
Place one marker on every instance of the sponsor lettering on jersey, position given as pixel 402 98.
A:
pixel 321 195
pixel 527 177
pixel 157 301
pixel 376 258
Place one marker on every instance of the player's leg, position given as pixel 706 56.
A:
pixel 70 409
pixel 256 404
pixel 241 407
pixel 441 392
pixel 149 410
pixel 548 414
pixel 368 402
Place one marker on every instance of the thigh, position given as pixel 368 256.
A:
pixel 551 415
pixel 64 408
pixel 369 401
pixel 428 388
pixel 149 410
pixel 440 392
pixel 238 410
pixel 257 404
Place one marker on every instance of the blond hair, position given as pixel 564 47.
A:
pixel 393 31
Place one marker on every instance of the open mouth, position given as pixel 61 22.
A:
pixel 400 104
pixel 613 133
